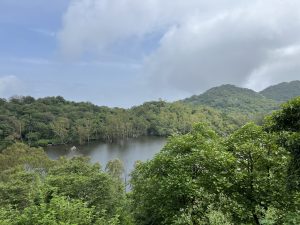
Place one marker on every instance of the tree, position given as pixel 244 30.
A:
pixel 286 123
pixel 59 210
pixel 61 128
pixel 182 178
pixel 115 168
pixel 201 174
pixel 84 129
pixel 78 179
pixel 259 179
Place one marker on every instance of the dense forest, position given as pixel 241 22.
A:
pixel 230 98
pixel 282 92
pixel 54 120
pixel 250 176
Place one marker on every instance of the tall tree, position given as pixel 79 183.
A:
pixel 61 128
pixel 286 123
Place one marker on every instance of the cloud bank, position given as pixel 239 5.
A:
pixel 202 43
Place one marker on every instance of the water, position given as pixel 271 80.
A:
pixel 129 151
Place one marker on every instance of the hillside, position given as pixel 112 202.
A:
pixel 283 91
pixel 54 120
pixel 230 98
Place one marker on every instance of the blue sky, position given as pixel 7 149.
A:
pixel 125 52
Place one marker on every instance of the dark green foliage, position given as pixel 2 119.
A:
pixel 53 120
pixel 232 99
pixel 282 92
pixel 286 123
pixel 287 118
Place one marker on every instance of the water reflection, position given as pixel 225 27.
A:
pixel 129 151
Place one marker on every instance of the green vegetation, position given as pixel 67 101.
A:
pixel 36 190
pixel 250 176
pixel 282 92
pixel 215 169
pixel 54 120
pixel 232 99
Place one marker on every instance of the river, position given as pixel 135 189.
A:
pixel 129 151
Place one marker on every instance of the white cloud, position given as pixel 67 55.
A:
pixel 9 85
pixel 97 24
pixel 44 32
pixel 205 43
pixel 282 65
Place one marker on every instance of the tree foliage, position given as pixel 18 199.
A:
pixel 53 120
pixel 201 178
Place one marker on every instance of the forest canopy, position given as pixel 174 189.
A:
pixel 54 120
pixel 250 176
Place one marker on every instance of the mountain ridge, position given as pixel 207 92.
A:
pixel 283 91
pixel 234 99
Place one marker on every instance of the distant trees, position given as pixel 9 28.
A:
pixel 61 128
pixel 53 120
pixel 84 128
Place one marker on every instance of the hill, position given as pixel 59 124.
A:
pixel 54 120
pixel 229 98
pixel 282 92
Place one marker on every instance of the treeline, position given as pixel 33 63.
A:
pixel 53 120
pixel 251 176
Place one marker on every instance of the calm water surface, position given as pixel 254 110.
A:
pixel 129 151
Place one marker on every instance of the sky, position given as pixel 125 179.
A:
pixel 125 52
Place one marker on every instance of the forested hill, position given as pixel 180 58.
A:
pixel 54 120
pixel 229 98
pixel 250 177
pixel 282 92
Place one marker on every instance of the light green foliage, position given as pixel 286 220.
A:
pixel 211 179
pixel 61 127
pixel 115 168
pixel 22 155
pixel 35 190
pixel 84 128
pixel 78 179
pixel 58 211
pixel 259 180
pixel 19 189
pixel 188 172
